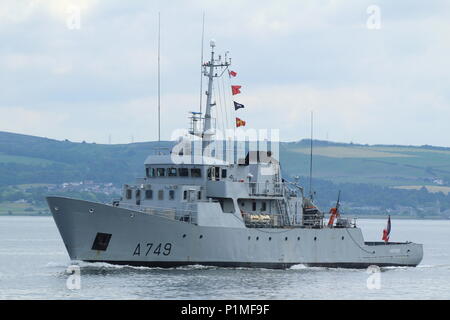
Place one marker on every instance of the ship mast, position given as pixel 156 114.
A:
pixel 209 70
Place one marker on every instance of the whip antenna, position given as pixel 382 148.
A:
pixel 201 63
pixel 311 159
pixel 159 78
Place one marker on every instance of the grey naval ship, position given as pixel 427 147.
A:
pixel 190 209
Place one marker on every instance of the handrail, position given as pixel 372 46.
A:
pixel 265 188
pixel 166 212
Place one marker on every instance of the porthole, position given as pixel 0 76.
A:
pixel 201 236
pixel 342 238
pixel 184 236
pixel 298 238
pixel 91 210
pixel 270 238
pixel 286 239
pixel 131 215
pixel 248 237
pixel 315 238
pixel 257 238
pixel 56 208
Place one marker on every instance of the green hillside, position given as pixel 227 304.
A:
pixel 28 159
pixel 376 179
pixel 380 165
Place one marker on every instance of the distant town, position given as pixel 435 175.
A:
pixel 29 199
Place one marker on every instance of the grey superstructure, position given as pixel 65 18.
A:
pixel 196 209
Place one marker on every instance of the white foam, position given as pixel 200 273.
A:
pixel 57 264
pixel 298 267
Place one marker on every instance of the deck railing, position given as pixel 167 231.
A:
pixel 265 188
pixel 184 215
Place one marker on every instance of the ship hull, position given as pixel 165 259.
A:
pixel 97 232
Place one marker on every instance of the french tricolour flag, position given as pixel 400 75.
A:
pixel 387 231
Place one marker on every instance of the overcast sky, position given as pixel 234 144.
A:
pixel 366 85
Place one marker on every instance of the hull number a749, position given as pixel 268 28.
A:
pixel 153 248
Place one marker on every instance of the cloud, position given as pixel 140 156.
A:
pixel 26 121
pixel 375 86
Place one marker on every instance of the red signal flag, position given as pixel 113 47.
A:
pixel 239 123
pixel 236 89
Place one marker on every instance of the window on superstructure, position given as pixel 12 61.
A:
pixel 199 195
pixel 254 206
pixel 148 194
pixel 161 172
pixel 171 194
pixel 184 194
pixel 150 172
pixel 224 173
pixel 160 194
pixel 263 206
pixel 172 172
pixel 183 172
pixel 128 195
pixel 217 173
pixel 196 173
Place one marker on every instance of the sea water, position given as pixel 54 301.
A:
pixel 34 265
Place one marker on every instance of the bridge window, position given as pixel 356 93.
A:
pixel 171 194
pixel 160 194
pixel 148 194
pixel 214 173
pixel 183 172
pixel 196 173
pixel 172 172
pixel 161 172
pixel 150 172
